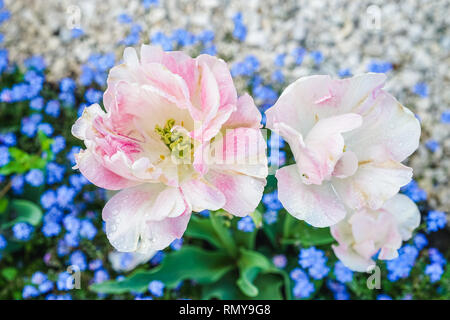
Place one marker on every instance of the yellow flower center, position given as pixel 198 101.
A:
pixel 180 144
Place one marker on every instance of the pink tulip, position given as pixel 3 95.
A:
pixel 348 138
pixel 174 138
pixel 364 233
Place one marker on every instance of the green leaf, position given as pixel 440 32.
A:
pixel 26 211
pixel 9 273
pixel 299 232
pixel 257 218
pixel 201 228
pixel 250 263
pixel 223 233
pixel 187 263
pixel 3 204
pixel 270 288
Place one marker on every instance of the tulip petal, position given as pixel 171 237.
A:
pixel 351 259
pixel 373 184
pixel 99 175
pixel 202 195
pixel 390 131
pixel 241 150
pixel 145 217
pixel 243 193
pixel 318 97
pixel 406 213
pixel 246 115
pixel 318 205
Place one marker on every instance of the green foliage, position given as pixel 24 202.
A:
pixel 22 161
pixel 24 211
pixel 189 262
pixel 224 273
pixel 300 233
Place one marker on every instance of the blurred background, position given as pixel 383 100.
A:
pixel 267 44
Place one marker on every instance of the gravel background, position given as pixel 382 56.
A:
pixel 413 35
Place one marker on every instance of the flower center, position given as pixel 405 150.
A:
pixel 178 142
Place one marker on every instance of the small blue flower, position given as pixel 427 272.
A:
pixel 35 177
pixel 88 230
pixel 149 3
pixel 156 288
pixel 379 66
pixel 65 195
pixel 72 224
pixel 29 292
pixel 434 271
pixel 48 199
pixel 38 277
pixel 206 36
pixel 204 213
pixel 445 116
pixel 22 231
pixel 59 143
pixel 157 258
pixel 339 290
pixel 101 275
pixel 317 57
pixel 270 216
pixel 46 286
pixel 183 37
pixel 280 261
pixel 71 154
pixel 303 288
pixel 277 76
pixel 35 62
pixel 65 281
pixel 298 274
pixel 342 273
pixel 62 248
pixel 436 220
pixel 76 33
pixel 383 297
pixel 436 256
pixel 46 128
pixel 17 183
pixel 3 242
pixel 52 108
pixel 95 264
pixel 55 173
pixel 93 96
pixel 78 258
pixel 210 49
pixel 420 241
pixel 29 125
pixel 279 59
pixel 413 191
pixel 240 30
pixel 432 145
pixel 315 261
pixel 344 73
pixel 298 54
pixel 37 103
pixel 51 229
pixel 67 85
pixel 8 139
pixel 4 156
pixel 400 267
pixel 246 224
pixel 271 201
pixel 421 89
pixel 176 244
pixel 161 39
pixel 124 18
